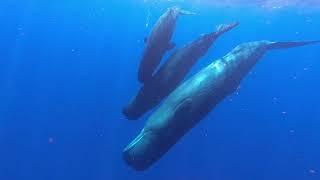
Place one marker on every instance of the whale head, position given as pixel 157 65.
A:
pixel 162 131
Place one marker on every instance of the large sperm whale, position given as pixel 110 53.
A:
pixel 159 42
pixel 194 99
pixel 171 73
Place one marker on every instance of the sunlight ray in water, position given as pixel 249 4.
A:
pixel 267 4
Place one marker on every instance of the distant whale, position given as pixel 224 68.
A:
pixel 171 73
pixel 194 99
pixel 159 42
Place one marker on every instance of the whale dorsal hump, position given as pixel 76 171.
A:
pixel 290 44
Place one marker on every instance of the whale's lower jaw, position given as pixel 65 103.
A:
pixel 147 148
pixel 142 151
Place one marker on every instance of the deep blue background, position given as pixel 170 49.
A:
pixel 68 67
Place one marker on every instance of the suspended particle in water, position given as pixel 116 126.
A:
pixel 292 131
pixel 244 109
pixel 205 133
pixel 100 134
pixel 268 22
pixel 275 100
pixel 312 171
pixel 309 20
pixel 50 140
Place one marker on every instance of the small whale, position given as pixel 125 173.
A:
pixel 171 73
pixel 159 42
pixel 194 99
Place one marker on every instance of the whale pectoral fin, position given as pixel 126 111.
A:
pixel 284 45
pixel 183 109
pixel 171 45
pixel 181 115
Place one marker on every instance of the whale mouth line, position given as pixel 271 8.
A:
pixel 135 141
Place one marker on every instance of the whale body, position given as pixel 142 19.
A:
pixel 159 42
pixel 171 73
pixel 193 100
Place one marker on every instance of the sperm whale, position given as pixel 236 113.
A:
pixel 159 42
pixel 194 99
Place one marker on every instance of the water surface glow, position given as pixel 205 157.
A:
pixel 268 4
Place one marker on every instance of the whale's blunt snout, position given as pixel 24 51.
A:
pixel 141 153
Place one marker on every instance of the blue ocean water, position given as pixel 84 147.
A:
pixel 67 69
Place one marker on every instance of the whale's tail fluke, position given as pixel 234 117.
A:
pixel 285 45
pixel 225 28
pixel 181 11
pixel 184 12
